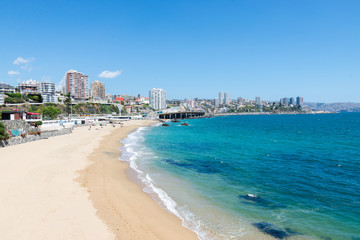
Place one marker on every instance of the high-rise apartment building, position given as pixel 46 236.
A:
pixel 285 101
pixel 97 90
pixel 299 101
pixel 292 101
pixel 216 102
pixel 257 101
pixel 226 98
pixel 221 101
pixel 157 98
pixel 47 90
pixel 2 99
pixel 77 85
pixel 47 87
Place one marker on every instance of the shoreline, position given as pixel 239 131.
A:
pixel 272 113
pixel 205 231
pixel 78 188
pixel 127 210
pixel 43 198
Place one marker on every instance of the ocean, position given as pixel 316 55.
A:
pixel 255 176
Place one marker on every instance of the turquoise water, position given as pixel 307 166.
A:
pixel 303 169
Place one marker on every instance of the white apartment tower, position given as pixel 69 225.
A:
pixel 226 98
pixel 221 101
pixel 2 99
pixel 157 98
pixel 47 90
pixel 257 101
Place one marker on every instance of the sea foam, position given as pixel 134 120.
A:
pixel 132 151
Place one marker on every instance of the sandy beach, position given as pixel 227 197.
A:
pixel 75 187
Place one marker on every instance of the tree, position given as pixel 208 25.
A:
pixel 3 134
pixel 35 97
pixel 67 103
pixel 51 112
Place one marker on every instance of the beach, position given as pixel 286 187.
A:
pixel 75 187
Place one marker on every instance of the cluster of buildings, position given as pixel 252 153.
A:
pixel 46 89
pixel 291 101
pixel 224 104
pixel 77 84
pixel 222 100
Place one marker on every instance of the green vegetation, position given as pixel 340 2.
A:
pixel 18 98
pixel 67 103
pixel 14 95
pixel 14 98
pixel 49 109
pixel 51 112
pixel 3 134
pixel 38 123
pixel 123 111
pixel 35 98
pixel 94 108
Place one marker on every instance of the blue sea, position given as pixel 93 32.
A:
pixel 255 176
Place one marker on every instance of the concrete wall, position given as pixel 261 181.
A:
pixel 30 138
pixel 16 124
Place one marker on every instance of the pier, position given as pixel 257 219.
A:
pixel 181 115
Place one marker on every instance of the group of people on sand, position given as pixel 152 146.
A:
pixel 103 124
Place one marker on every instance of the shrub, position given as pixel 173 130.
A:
pixel 35 97
pixel 38 123
pixel 51 112
pixel 14 95
pixel 3 134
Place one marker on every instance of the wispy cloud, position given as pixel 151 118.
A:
pixel 13 73
pixel 108 74
pixel 24 63
pixel 60 84
pixel 21 60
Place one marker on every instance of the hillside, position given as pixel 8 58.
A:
pixel 334 107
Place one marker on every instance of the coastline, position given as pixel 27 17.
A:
pixel 77 188
pixel 129 212
pixel 204 229
pixel 272 113
pixel 42 197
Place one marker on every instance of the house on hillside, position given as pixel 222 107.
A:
pixel 21 115
pixel 13 115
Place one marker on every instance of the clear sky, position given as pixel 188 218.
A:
pixel 190 48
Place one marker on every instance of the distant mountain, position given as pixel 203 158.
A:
pixel 334 107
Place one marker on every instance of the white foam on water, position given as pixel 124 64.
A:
pixel 132 151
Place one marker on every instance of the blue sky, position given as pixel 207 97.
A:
pixel 272 49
